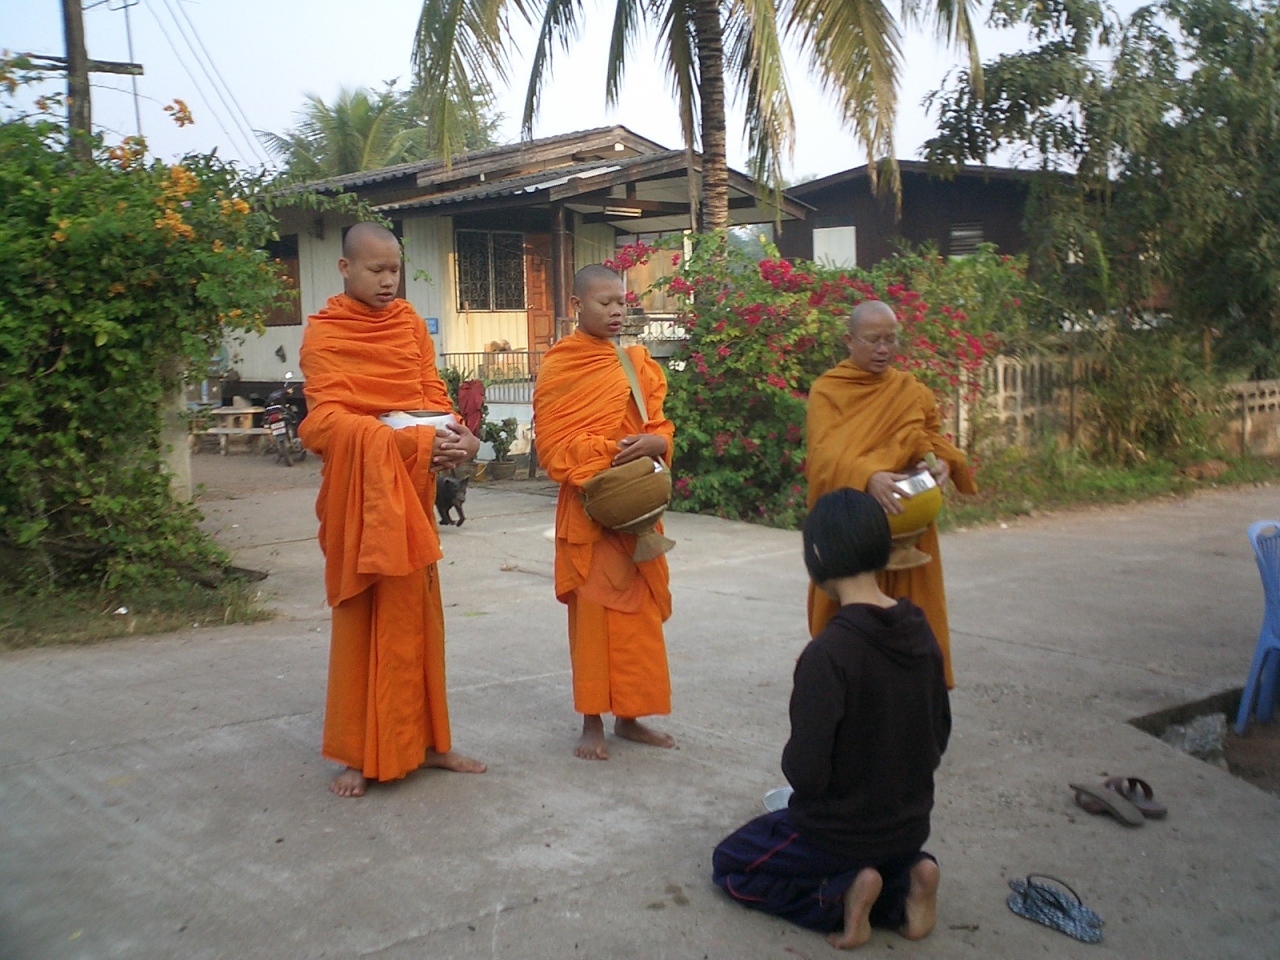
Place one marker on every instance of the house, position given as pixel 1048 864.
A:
pixel 850 226
pixel 491 243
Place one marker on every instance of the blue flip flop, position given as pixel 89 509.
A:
pixel 1058 909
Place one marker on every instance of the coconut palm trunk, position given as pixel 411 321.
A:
pixel 715 166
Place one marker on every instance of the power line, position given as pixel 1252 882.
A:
pixel 213 82
pixel 226 86
pixel 191 76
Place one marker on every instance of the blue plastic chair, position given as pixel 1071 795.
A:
pixel 1264 674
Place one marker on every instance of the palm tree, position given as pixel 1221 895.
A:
pixel 851 45
pixel 361 130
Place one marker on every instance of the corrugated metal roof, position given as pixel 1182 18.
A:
pixel 916 166
pixel 366 177
pixel 527 183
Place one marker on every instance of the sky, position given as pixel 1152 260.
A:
pixel 272 54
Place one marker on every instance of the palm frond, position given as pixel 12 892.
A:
pixel 676 38
pixel 953 25
pixel 626 22
pixel 754 62
pixel 459 46
pixel 855 50
pixel 559 28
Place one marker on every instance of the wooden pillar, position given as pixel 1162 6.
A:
pixel 559 264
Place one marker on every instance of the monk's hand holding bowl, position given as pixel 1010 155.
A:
pixel 883 487
pixel 454 444
pixel 940 469
pixel 640 445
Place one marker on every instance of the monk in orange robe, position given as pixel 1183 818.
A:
pixel 588 421
pixel 868 424
pixel 365 354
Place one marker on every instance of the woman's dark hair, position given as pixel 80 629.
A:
pixel 845 534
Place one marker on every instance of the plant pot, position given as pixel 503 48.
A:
pixel 501 469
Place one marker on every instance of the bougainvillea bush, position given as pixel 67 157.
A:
pixel 118 272
pixel 758 334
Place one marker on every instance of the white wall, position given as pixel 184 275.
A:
pixel 318 279
pixel 428 246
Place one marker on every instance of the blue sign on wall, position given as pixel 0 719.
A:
pixel 433 325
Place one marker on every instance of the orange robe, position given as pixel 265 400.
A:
pixel 386 702
pixel 861 423
pixel 582 407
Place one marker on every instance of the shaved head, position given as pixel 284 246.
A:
pixel 370 265
pixel 872 338
pixel 594 273
pixel 869 310
pixel 365 235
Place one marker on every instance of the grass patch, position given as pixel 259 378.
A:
pixel 1017 482
pixel 89 616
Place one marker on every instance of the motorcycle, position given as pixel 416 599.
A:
pixel 284 411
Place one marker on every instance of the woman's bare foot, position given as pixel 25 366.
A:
pixel 590 745
pixel 349 783
pixel 637 731
pixel 858 901
pixel 453 761
pixel 922 900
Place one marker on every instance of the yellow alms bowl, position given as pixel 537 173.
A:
pixel 917 512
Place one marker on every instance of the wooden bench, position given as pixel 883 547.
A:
pixel 224 435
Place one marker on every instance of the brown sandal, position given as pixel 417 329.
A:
pixel 1139 793
pixel 1102 800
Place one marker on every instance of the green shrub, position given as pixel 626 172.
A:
pixel 758 334
pixel 118 273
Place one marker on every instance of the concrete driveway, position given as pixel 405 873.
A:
pixel 164 797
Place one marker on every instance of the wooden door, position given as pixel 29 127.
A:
pixel 537 273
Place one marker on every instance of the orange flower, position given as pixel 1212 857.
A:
pixel 218 246
pixel 179 112
pixel 173 222
pixel 115 289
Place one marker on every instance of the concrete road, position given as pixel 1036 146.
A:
pixel 164 797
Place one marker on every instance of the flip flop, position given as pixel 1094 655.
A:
pixel 1101 800
pixel 1139 793
pixel 1059 910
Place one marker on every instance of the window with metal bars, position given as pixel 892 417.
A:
pixel 490 270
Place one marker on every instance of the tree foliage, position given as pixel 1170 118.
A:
pixel 710 49
pixel 362 130
pixel 1158 140
pixel 118 273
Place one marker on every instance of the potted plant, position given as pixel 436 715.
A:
pixel 500 436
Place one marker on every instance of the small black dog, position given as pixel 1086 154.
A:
pixel 451 493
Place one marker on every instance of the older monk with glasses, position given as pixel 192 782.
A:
pixel 869 426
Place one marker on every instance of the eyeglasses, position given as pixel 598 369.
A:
pixel 889 342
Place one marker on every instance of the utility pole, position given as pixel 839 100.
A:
pixel 77 66
pixel 79 109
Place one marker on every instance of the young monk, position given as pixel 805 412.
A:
pixel 868 424
pixel 365 354
pixel 870 719
pixel 587 421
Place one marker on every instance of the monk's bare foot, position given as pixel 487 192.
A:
pixel 349 783
pixel 922 900
pixel 590 745
pixel 453 761
pixel 858 901
pixel 637 731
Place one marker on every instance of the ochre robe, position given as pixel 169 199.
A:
pixel 861 423
pixel 386 702
pixel 582 407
